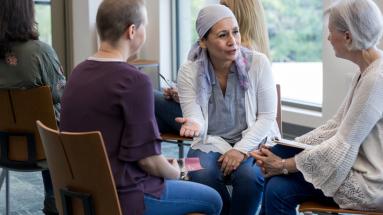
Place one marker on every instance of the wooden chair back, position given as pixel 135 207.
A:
pixel 20 144
pixel 81 174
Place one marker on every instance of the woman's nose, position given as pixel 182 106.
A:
pixel 231 40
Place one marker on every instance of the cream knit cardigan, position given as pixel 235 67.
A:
pixel 347 161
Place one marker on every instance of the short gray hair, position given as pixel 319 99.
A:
pixel 362 18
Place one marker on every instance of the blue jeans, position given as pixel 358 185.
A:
pixel 247 182
pixel 283 193
pixel 166 111
pixel 183 197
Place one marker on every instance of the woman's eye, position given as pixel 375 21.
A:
pixel 221 35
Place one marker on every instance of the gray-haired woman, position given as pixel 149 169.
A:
pixel 345 163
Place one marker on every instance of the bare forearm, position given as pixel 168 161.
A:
pixel 291 165
pixel 159 166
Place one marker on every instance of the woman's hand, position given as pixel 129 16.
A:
pixel 230 161
pixel 171 93
pixel 175 164
pixel 158 165
pixel 189 128
pixel 269 163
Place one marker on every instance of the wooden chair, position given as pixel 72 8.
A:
pixel 81 174
pixel 185 141
pixel 20 144
pixel 320 208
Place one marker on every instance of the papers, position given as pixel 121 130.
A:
pixel 190 164
pixel 292 143
pixel 170 84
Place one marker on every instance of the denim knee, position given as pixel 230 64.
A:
pixel 247 174
pixel 211 172
pixel 182 197
pixel 278 197
pixel 215 199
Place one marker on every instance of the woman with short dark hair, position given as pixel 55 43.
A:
pixel 26 62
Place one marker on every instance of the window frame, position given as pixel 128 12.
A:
pixel 176 11
pixel 43 2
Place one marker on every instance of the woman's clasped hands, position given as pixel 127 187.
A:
pixel 269 163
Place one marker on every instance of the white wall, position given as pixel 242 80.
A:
pixel 158 42
pixel 159 36
pixel 84 41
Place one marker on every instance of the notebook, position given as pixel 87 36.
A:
pixel 292 143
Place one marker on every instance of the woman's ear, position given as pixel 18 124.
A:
pixel 202 43
pixel 130 32
pixel 348 37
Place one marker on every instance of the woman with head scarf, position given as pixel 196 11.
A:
pixel 254 35
pixel 228 99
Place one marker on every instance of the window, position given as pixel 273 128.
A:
pixel 186 14
pixel 44 20
pixel 295 31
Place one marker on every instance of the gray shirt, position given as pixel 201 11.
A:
pixel 227 115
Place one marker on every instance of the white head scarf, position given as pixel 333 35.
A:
pixel 209 15
pixel 207 18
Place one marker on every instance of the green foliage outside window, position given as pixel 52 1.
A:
pixel 196 5
pixel 295 29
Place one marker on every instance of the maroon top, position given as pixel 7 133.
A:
pixel 117 99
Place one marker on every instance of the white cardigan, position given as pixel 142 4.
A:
pixel 347 161
pixel 260 105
